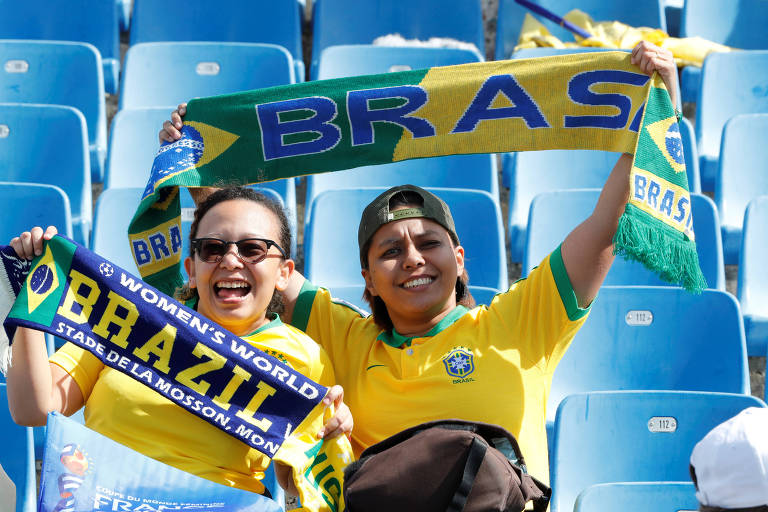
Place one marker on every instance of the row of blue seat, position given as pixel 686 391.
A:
pixel 738 24
pixel 166 74
pixel 331 224
pixel 630 438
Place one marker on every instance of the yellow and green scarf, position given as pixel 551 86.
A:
pixel 593 101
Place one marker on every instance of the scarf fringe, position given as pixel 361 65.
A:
pixel 668 254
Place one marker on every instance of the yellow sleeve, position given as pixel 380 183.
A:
pixel 83 366
pixel 329 322
pixel 322 369
pixel 541 312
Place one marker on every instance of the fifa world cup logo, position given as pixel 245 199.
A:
pixel 77 464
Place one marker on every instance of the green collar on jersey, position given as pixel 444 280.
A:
pixel 395 339
pixel 275 322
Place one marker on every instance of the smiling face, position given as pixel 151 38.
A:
pixel 413 266
pixel 231 292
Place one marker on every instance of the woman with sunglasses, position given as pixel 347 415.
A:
pixel 238 267
pixel 426 352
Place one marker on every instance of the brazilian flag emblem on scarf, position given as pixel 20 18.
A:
pixel 657 225
pixel 594 101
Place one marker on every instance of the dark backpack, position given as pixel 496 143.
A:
pixel 445 466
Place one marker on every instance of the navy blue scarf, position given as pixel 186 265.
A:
pixel 132 327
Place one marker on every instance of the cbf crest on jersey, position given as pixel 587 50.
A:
pixel 459 363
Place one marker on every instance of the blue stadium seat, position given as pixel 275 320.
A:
pixel 737 23
pixel 533 172
pixel 114 210
pixel 744 92
pixel 19 212
pixel 133 145
pixel 57 73
pixel 632 436
pixel 112 215
pixel 48 144
pixel 655 338
pixel 353 294
pixel 124 14
pixel 365 59
pixel 338 22
pixel 476 172
pixel 483 295
pixel 638 497
pixel 529 173
pixel 82 21
pixel 330 237
pixel 271 483
pixel 548 227
pixel 169 73
pixel 673 14
pixel 234 21
pixel 18 457
pixel 690 155
pixel 753 278
pixel 742 175
pixel 646 13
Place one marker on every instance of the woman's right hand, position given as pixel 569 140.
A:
pixel 171 131
pixel 29 244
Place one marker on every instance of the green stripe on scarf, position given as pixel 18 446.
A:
pixel 584 101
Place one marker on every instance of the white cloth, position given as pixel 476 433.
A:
pixel 731 462
pixel 13 271
pixel 7 493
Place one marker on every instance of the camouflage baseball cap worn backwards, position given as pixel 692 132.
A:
pixel 377 213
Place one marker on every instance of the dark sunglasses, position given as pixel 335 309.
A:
pixel 249 250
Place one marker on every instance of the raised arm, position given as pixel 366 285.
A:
pixel 588 250
pixel 35 386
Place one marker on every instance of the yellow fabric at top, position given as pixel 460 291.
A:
pixel 134 415
pixel 688 51
pixel 511 348
pixel 451 90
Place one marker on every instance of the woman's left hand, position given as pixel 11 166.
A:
pixel 649 58
pixel 341 422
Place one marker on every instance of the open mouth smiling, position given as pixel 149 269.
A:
pixel 418 281
pixel 231 289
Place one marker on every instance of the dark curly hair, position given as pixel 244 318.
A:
pixel 378 307
pixel 276 305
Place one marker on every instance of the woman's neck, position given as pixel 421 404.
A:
pixel 412 327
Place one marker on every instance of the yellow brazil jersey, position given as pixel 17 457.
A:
pixel 134 415
pixel 491 364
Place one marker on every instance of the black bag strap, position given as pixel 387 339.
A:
pixel 540 504
pixel 471 467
